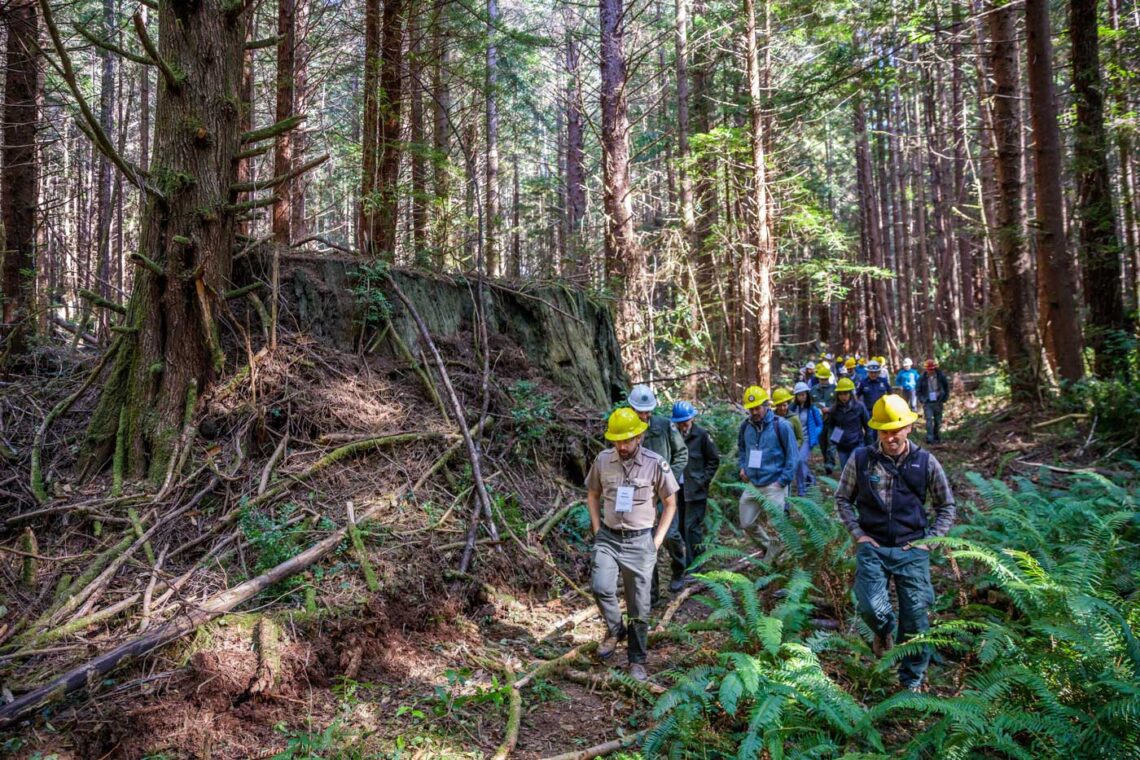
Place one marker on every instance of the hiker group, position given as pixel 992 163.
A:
pixel 650 490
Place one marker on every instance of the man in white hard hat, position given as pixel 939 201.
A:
pixel 665 440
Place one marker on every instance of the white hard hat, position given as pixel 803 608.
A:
pixel 829 356
pixel 907 364
pixel 642 399
pixel 873 366
pixel 809 367
pixel 801 388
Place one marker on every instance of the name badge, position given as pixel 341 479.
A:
pixel 624 502
pixel 836 435
pixel 933 395
pixel 755 458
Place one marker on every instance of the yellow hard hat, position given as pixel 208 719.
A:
pixel 891 412
pixel 862 361
pixel 881 359
pixel 781 395
pixel 850 363
pixel 624 424
pixel 822 371
pixel 754 397
pixel 845 385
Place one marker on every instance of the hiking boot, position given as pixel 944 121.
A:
pixel 919 687
pixel 676 585
pixel 637 670
pixel 881 644
pixel 608 646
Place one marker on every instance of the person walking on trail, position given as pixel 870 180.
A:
pixel 693 498
pixel 907 380
pixel 874 387
pixel 811 420
pixel 883 373
pixel 766 456
pixel 664 439
pixel 859 374
pixel 846 427
pixel 824 397
pixel 933 390
pixel 781 401
pixel 623 487
pixel 881 499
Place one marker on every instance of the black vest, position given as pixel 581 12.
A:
pixel 906 520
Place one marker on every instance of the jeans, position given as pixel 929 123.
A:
pixel 843 457
pixel 634 557
pixel 933 413
pixel 692 526
pixel 911 397
pixel 910 568
pixel 674 544
pixel 804 478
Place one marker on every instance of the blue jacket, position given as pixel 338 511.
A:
pixel 870 391
pixel 777 444
pixel 859 374
pixel 814 426
pixel 907 379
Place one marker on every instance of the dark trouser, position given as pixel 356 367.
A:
pixel 634 557
pixel 933 412
pixel 844 455
pixel 675 545
pixel 692 526
pixel 874 568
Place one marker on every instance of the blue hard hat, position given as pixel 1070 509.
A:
pixel 683 411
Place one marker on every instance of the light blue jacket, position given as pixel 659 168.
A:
pixel 814 425
pixel 907 379
pixel 777 444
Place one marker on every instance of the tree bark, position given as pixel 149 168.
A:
pixel 1053 262
pixel 188 231
pixel 759 234
pixel 492 210
pixel 624 258
pixel 1099 244
pixel 419 149
pixel 441 136
pixel 1026 374
pixel 283 143
pixel 19 181
pixel 388 147
pixel 575 154
pixel 684 180
pixel 370 129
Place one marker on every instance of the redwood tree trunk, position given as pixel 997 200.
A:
pixel 625 260
pixel 20 179
pixel 759 232
pixel 1053 261
pixel 1018 292
pixel 575 155
pixel 388 148
pixel 188 233
pixel 493 248
pixel 283 143
pixel 1099 244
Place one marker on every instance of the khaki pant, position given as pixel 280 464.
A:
pixel 750 509
pixel 634 557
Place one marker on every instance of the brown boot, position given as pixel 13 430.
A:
pixel 881 644
pixel 637 670
pixel 608 646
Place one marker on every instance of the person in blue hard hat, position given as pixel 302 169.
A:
pixel 704 459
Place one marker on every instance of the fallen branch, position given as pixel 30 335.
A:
pixel 93 671
pixel 600 750
pixel 558 663
pixel 607 682
pixel 1062 418
pixel 267 473
pixel 514 716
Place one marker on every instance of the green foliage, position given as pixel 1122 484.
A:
pixel 1115 404
pixel 274 540
pixel 532 412
pixel 373 306
pixel 1047 651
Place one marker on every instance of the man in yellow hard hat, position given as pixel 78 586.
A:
pixel 881 499
pixel 846 426
pixel 766 456
pixel 622 490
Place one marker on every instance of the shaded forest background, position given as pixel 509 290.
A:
pixel 748 182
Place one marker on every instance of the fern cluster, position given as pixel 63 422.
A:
pixel 1045 658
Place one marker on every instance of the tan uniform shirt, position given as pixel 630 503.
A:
pixel 647 472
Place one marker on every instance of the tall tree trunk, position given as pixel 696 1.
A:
pixel 1026 374
pixel 418 149
pixel 965 240
pixel 1128 178
pixel 575 154
pixel 19 181
pixel 370 128
pixel 298 215
pixel 188 234
pixel 709 286
pixel 103 181
pixel 759 234
pixel 516 268
pixel 283 143
pixel 684 180
pixel 441 135
pixel 1053 261
pixel 624 258
pixel 388 145
pixel 1099 244
pixel 492 210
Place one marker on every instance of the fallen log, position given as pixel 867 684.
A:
pixel 601 750
pixel 93 671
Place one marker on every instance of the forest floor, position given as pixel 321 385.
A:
pixel 420 667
